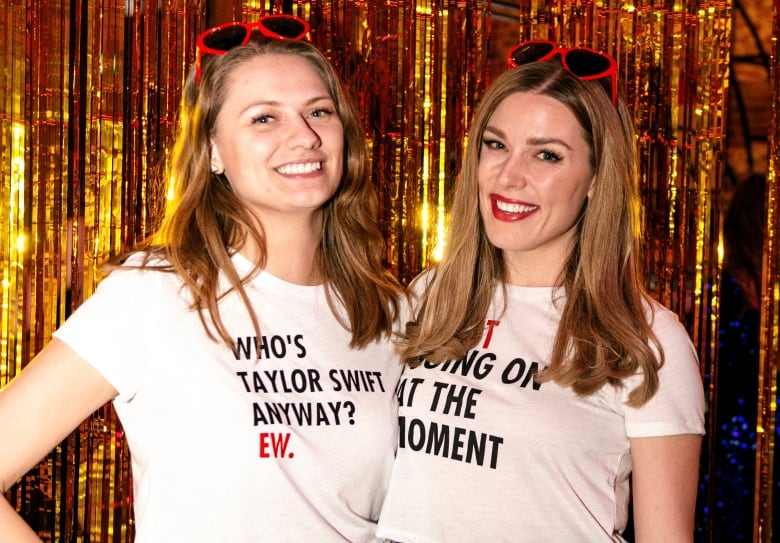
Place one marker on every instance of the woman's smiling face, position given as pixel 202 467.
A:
pixel 534 177
pixel 279 139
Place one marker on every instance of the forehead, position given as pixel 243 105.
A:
pixel 276 74
pixel 530 114
pixel 528 106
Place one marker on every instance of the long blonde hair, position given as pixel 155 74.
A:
pixel 206 219
pixel 604 335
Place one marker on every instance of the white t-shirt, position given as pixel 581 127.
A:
pixel 286 438
pixel 485 454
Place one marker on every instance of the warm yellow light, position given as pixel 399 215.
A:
pixel 170 193
pixel 438 251
pixel 16 195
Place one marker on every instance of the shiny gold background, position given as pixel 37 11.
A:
pixel 90 90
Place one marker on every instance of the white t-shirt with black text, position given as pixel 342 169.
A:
pixel 488 454
pixel 287 437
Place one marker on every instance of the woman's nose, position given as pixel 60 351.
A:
pixel 302 134
pixel 513 172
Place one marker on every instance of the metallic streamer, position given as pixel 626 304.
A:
pixel 769 361
pixel 426 65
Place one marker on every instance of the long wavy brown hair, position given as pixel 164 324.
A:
pixel 604 335
pixel 205 222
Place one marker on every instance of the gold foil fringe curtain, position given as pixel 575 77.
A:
pixel 77 181
pixel 90 91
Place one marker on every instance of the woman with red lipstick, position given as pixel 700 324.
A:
pixel 545 389
pixel 247 347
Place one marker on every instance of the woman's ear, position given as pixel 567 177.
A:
pixel 217 166
pixel 591 187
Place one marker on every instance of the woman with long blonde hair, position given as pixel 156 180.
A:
pixel 541 376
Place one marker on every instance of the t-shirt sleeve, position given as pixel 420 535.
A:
pixel 678 405
pixel 113 328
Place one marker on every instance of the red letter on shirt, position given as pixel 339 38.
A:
pixel 490 325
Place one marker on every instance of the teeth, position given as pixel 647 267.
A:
pixel 506 207
pixel 298 169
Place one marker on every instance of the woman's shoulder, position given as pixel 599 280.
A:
pixel 143 272
pixel 679 352
pixel 141 260
pixel 663 320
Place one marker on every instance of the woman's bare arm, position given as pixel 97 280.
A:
pixel 664 482
pixel 38 409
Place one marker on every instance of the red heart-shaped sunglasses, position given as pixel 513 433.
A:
pixel 587 64
pixel 221 39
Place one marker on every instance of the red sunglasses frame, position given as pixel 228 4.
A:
pixel 202 49
pixel 555 49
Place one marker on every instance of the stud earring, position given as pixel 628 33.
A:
pixel 217 171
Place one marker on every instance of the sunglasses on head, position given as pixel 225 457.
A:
pixel 587 64
pixel 221 39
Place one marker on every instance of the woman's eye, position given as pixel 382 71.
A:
pixel 493 144
pixel 261 119
pixel 549 155
pixel 322 112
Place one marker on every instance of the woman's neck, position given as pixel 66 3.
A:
pixel 291 250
